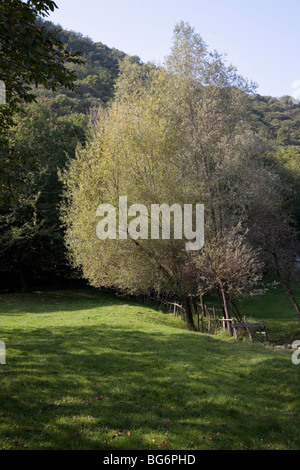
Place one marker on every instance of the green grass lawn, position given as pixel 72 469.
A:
pixel 276 309
pixel 278 312
pixel 87 371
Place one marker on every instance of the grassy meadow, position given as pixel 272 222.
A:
pixel 89 371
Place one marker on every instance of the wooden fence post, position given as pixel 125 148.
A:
pixel 248 329
pixel 266 332
pixel 234 329
pixel 209 325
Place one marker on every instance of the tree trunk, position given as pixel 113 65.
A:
pixel 195 309
pixel 225 305
pixel 202 306
pixel 187 304
pixel 292 297
pixel 221 301
pixel 287 287
pixel 236 310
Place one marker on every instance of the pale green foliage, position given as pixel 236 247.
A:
pixel 192 61
pixel 174 134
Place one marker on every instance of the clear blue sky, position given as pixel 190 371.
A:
pixel 260 37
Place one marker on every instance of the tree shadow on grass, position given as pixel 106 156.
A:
pixel 77 388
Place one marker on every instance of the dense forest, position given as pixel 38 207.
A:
pixel 277 121
pixel 43 135
pixel 46 133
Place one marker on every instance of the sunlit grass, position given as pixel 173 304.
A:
pixel 87 371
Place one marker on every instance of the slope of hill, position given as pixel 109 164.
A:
pixel 96 76
pixel 277 119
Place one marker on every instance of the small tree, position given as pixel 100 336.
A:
pixel 229 266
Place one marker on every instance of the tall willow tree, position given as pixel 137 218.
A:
pixel 174 134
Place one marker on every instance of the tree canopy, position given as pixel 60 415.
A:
pixel 174 134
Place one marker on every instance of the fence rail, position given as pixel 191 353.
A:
pixel 210 315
